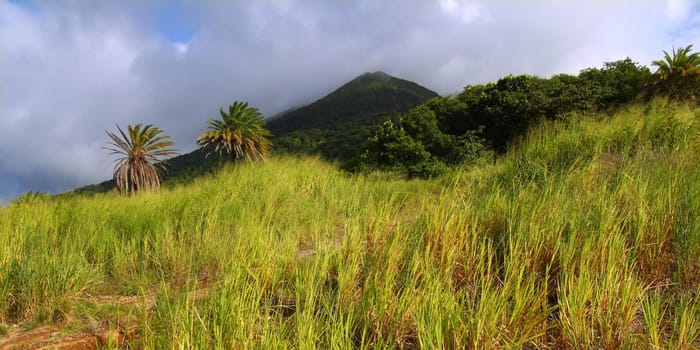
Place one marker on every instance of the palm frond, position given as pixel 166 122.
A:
pixel 240 133
pixel 677 75
pixel 142 152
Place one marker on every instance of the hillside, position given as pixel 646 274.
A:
pixel 181 169
pixel 336 125
pixel 582 236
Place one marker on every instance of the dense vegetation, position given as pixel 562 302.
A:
pixel 447 131
pixel 455 130
pixel 585 235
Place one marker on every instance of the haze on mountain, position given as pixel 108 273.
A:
pixel 73 69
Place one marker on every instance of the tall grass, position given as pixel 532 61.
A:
pixel 584 236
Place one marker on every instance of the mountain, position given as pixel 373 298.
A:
pixel 333 126
pixel 337 124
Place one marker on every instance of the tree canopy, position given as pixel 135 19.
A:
pixel 240 133
pixel 453 130
pixel 677 75
pixel 142 151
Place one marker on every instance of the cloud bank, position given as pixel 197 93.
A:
pixel 71 69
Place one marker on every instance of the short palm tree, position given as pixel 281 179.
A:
pixel 142 152
pixel 240 133
pixel 678 75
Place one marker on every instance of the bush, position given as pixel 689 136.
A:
pixel 428 168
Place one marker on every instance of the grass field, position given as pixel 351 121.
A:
pixel 587 235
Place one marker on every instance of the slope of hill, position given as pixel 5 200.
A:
pixel 337 124
pixel 585 236
pixel 181 169
pixel 334 126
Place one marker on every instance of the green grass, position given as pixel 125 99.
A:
pixel 587 235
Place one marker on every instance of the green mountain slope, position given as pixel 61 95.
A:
pixel 584 235
pixel 337 124
pixel 333 126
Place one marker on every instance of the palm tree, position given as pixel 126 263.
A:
pixel 678 75
pixel 141 154
pixel 240 133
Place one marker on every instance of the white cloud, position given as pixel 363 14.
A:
pixel 678 10
pixel 465 10
pixel 180 48
pixel 64 76
pixel 70 70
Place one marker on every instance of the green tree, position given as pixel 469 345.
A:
pixel 240 132
pixel 142 151
pixel 623 81
pixel 678 75
pixel 422 125
pixel 392 149
pixel 508 108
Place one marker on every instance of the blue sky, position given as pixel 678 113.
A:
pixel 173 19
pixel 71 69
pixel 176 22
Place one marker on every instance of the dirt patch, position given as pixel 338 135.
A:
pixel 17 338
pixel 81 341
pixel 55 337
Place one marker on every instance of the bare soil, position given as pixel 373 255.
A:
pixel 58 337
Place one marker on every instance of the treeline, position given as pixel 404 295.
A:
pixel 453 130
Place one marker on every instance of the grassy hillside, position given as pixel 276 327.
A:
pixel 181 169
pixel 585 236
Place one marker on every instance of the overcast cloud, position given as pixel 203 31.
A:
pixel 71 69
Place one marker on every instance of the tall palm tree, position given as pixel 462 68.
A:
pixel 678 75
pixel 240 133
pixel 142 152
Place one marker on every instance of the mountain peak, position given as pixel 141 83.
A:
pixel 379 80
pixel 337 124
pixel 373 76
pixel 377 74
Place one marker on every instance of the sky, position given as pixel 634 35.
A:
pixel 71 69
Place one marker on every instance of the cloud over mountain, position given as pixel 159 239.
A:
pixel 71 69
